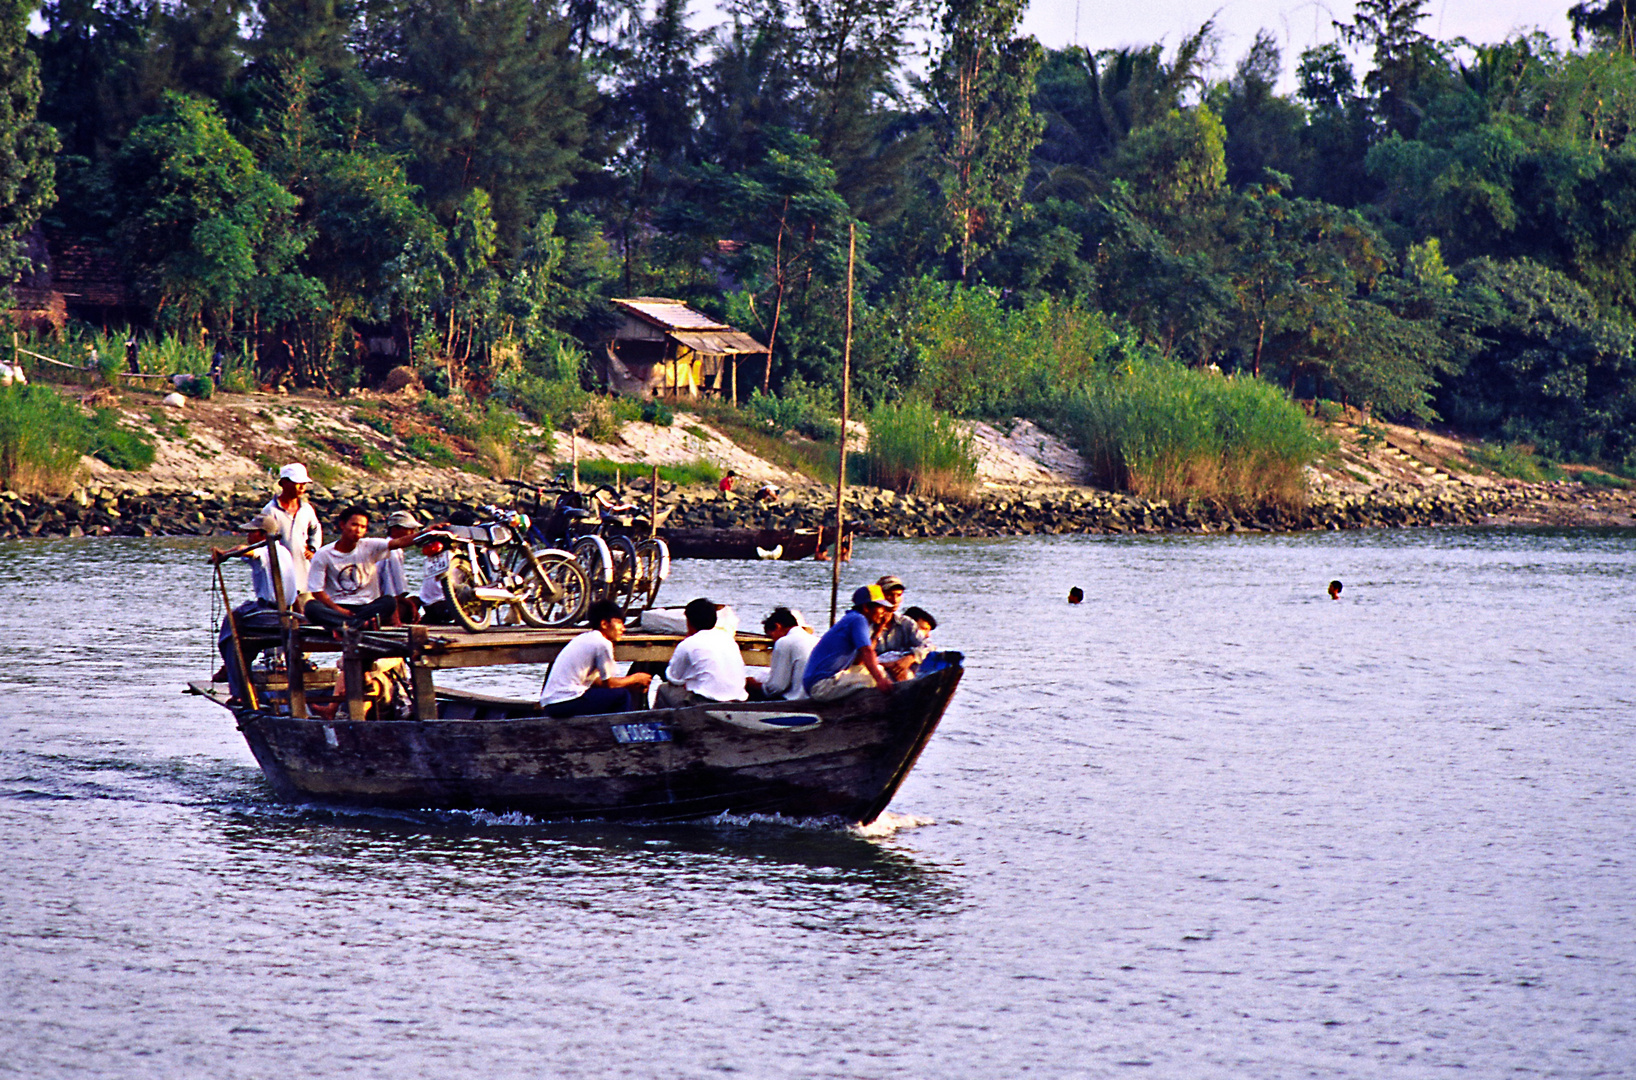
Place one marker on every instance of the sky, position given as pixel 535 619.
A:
pixel 1099 24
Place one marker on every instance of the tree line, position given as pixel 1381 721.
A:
pixel 1449 236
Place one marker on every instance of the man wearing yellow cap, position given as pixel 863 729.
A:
pixel 843 662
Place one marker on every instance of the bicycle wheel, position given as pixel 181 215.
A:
pixel 458 583
pixel 597 561
pixel 562 594
pixel 623 581
pixel 653 567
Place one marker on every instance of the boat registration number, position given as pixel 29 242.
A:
pixel 633 733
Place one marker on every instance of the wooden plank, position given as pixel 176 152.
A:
pixel 352 670
pixel 420 676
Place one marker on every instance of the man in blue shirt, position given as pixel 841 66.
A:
pixel 843 662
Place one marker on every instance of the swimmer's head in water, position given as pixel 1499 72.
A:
pixel 1075 595
pixel 1335 590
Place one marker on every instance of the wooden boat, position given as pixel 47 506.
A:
pixel 458 750
pixel 746 543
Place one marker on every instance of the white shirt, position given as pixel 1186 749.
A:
pixel 299 531
pixel 349 577
pixel 431 589
pixel 709 664
pixel 789 663
pixel 394 579
pixel 583 663
pixel 262 581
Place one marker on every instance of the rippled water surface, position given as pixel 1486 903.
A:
pixel 1208 824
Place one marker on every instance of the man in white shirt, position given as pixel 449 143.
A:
pixel 394 578
pixel 345 577
pixel 706 666
pixel 298 526
pixel 257 619
pixel 582 682
pixel 792 644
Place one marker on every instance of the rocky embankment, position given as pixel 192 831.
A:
pixel 97 510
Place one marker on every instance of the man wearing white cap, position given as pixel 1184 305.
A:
pixel 298 524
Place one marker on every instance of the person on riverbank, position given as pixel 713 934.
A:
pixel 727 479
pixel 345 577
pixel 582 682
pixel 793 643
pixel 258 616
pixel 843 662
pixel 298 526
pixel 706 666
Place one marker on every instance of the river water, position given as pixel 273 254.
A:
pixel 1209 823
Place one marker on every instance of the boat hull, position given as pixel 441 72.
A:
pixel 845 761
pixel 744 543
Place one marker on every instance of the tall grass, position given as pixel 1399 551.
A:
pixel 41 439
pixel 1164 431
pixel 604 471
pixel 913 447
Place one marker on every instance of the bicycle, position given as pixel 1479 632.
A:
pixel 606 538
pixel 492 565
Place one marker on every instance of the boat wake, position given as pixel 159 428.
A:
pixel 890 824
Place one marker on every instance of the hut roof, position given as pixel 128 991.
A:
pixel 688 327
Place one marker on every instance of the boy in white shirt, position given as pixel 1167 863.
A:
pixel 582 682
pixel 345 577
pixel 792 644
pixel 706 666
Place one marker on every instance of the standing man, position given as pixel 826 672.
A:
pixel 582 682
pixel 345 577
pixel 706 666
pixel 792 645
pixel 843 662
pixel 298 524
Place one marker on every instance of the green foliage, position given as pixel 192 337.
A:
pixel 913 447
pixel 604 471
pixel 808 410
pixel 971 355
pixel 204 229
pixel 1517 461
pixel 429 450
pixel 544 400
pixel 115 445
pixel 1165 431
pixel 27 146
pixel 657 413
pixel 41 439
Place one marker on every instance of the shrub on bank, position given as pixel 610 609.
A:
pixel 604 471
pixel 1165 431
pixel 42 437
pixel 913 447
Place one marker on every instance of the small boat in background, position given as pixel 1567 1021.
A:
pixel 787 545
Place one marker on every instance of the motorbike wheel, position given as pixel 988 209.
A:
pixel 652 567
pixel 597 561
pixel 561 593
pixel 458 583
pixel 624 580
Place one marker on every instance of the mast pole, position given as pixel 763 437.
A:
pixel 846 393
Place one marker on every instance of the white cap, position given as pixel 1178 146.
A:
pixel 295 473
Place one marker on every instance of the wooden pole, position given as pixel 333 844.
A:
pixel 296 678
pixel 846 392
pixel 653 505
pixel 238 646
pixel 573 442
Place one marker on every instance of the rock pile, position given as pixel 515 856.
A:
pixel 170 511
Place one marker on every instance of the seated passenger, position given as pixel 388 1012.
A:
pixel 792 644
pixel 345 577
pixel 258 617
pixel 899 642
pixel 843 662
pixel 394 577
pixel 706 666
pixel 582 682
